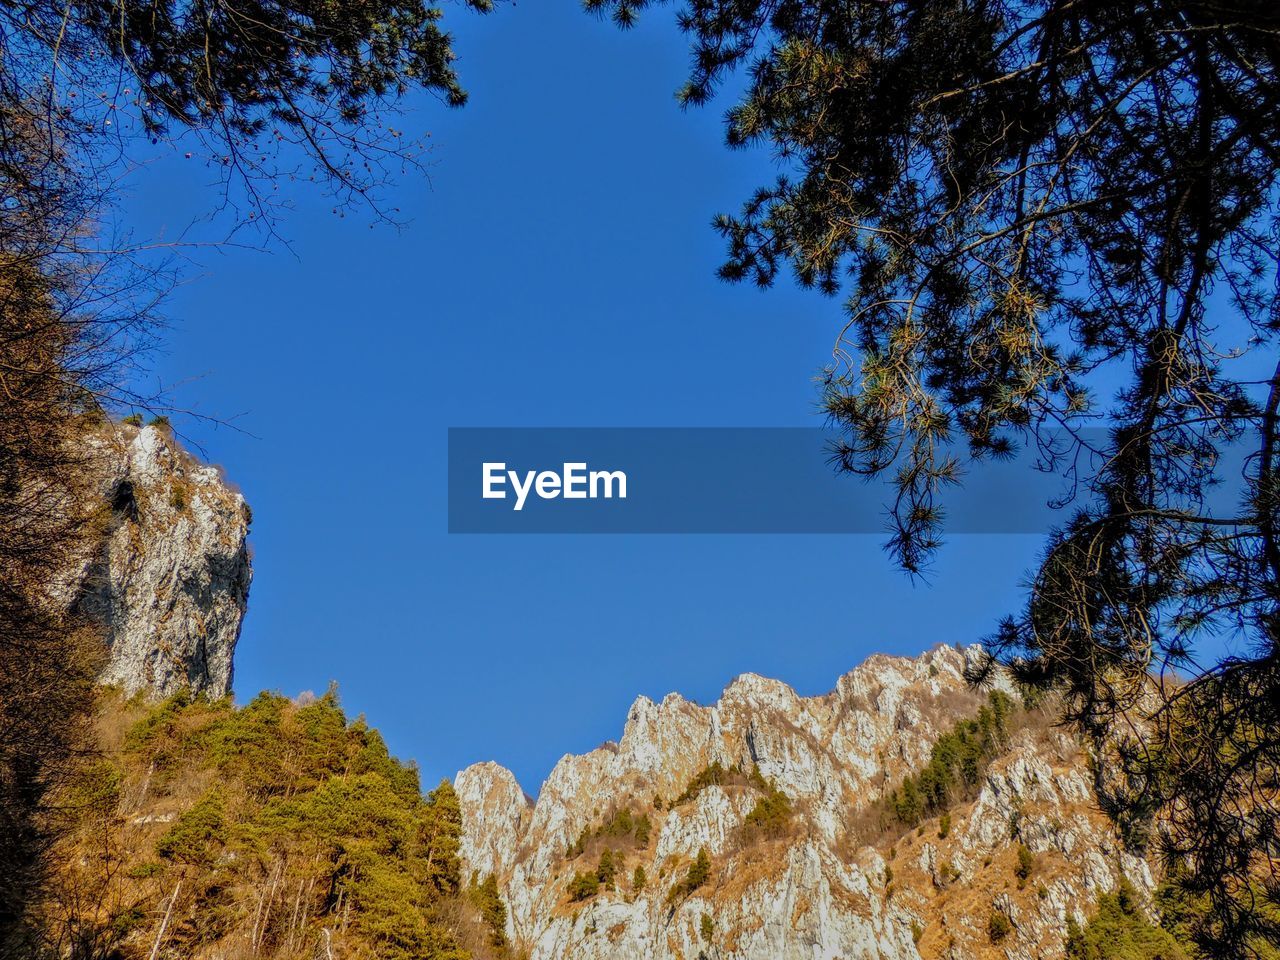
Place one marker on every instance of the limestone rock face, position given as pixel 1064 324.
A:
pixel 168 572
pixel 835 882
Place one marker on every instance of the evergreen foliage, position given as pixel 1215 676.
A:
pixel 623 825
pixel 606 869
pixel 1026 863
pixel 488 901
pixel 198 835
pixel 769 818
pixel 717 774
pixel 714 774
pixel 697 874
pixel 699 871
pixel 1188 915
pixel 1051 227
pixel 317 78
pixel 583 886
pixel 956 763
pixel 312 838
pixel 1120 931
pixel 999 926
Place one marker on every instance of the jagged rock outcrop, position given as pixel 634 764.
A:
pixel 168 570
pixel 834 882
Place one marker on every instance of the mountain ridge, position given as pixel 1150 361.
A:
pixel 819 886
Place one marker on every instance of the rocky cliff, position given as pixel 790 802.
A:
pixel 833 879
pixel 167 571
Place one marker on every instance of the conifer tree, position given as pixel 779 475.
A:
pixel 1052 226
pixel 606 869
pixel 488 900
pixel 442 837
pixel 699 871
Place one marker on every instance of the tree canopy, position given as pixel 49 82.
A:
pixel 248 78
pixel 296 833
pixel 1120 931
pixel 267 92
pixel 1052 225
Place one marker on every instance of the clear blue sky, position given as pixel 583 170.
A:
pixel 558 270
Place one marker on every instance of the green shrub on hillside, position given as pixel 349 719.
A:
pixel 697 874
pixel 622 825
pixel 1192 919
pixel 95 787
pixel 1026 863
pixel 999 926
pixel 198 835
pixel 770 816
pixel 606 869
pixel 1120 931
pixel 956 763
pixel 718 775
pixel 713 775
pixel 158 724
pixel 583 886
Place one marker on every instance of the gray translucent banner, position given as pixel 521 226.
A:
pixel 723 480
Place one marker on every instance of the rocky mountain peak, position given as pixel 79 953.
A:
pixel 167 574
pixel 784 798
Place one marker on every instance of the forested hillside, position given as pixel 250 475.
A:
pixel 277 830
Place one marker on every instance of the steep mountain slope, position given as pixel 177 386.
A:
pixel 759 828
